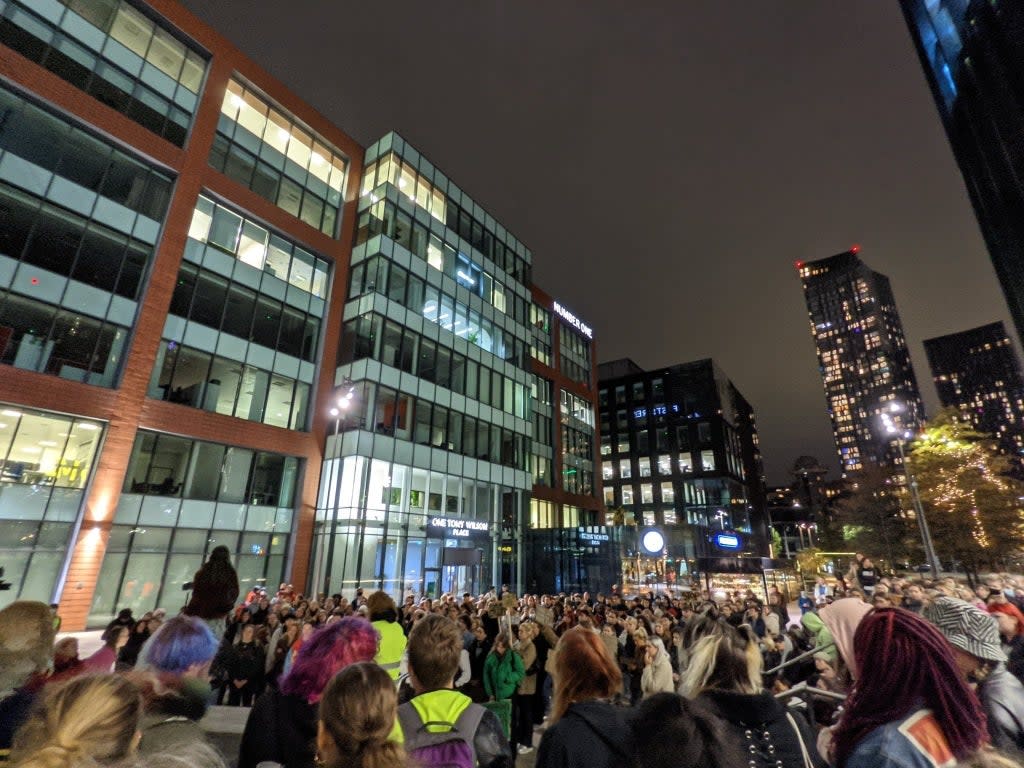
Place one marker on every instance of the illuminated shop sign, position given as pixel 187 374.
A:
pixel 652 541
pixel 587 538
pixel 574 321
pixel 727 540
pixel 450 528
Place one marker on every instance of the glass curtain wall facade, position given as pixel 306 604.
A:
pixel 426 478
pixel 114 52
pixel 161 329
pixel 78 224
pixel 679 453
pixel 46 462
pixel 972 54
pixel 863 357
pixel 180 499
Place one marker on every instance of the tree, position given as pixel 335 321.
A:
pixel 869 519
pixel 972 503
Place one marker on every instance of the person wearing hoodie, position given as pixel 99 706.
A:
pixel 173 675
pixel 657 674
pixel 586 731
pixel 823 639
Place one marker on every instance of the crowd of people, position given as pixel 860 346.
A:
pixel 870 670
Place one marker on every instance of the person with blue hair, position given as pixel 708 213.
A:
pixel 173 673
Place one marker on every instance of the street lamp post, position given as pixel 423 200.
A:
pixel 915 497
pixel 339 411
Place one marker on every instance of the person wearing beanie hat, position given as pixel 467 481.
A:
pixel 26 645
pixel 384 617
pixel 974 636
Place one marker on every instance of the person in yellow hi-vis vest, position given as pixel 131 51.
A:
pixel 384 617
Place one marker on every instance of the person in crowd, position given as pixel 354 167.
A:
pixel 129 653
pixel 522 699
pixel 88 720
pixel 910 707
pixel 103 660
pixel 66 663
pixel 435 644
pixel 913 598
pixel 585 731
pixel 656 676
pixel 282 723
pixel 214 590
pixel 823 639
pixel 124 618
pixel 674 732
pixel 244 668
pixel 173 673
pixel 724 674
pixel 1011 631
pixel 26 643
pixel 974 635
pixel 503 670
pixel 478 651
pixel 357 711
pixel 384 617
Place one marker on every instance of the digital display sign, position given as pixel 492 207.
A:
pixel 727 540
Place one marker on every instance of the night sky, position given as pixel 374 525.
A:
pixel 667 163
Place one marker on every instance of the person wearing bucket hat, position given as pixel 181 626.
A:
pixel 974 636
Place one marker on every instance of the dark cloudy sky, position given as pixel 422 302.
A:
pixel 667 162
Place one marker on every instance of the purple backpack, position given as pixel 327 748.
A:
pixel 451 748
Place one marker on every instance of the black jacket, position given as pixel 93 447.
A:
pixel 281 729
pixel 1002 696
pixel 592 734
pixel 759 724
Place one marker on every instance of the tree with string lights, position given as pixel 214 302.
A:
pixel 973 504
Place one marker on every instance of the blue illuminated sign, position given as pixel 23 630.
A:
pixel 728 540
pixel 658 410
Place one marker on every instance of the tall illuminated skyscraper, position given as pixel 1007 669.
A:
pixel 863 356
pixel 972 52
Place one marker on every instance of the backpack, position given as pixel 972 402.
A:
pixel 445 749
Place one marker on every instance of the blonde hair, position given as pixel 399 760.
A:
pixel 88 718
pixel 358 711
pixel 727 659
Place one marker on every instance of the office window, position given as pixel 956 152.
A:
pixel 707 460
pixel 114 53
pixel 625 469
pixel 644 466
pixel 267 151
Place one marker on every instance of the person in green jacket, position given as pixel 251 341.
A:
pixel 503 670
pixel 822 637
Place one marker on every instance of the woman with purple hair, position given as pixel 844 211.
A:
pixel 282 724
pixel 909 707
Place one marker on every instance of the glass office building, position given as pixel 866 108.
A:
pixel 972 54
pixel 426 479
pixel 171 226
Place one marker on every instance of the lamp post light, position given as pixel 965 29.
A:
pixel 922 523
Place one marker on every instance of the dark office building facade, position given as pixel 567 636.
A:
pixel 972 52
pixel 978 372
pixel 863 357
pixel 679 456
